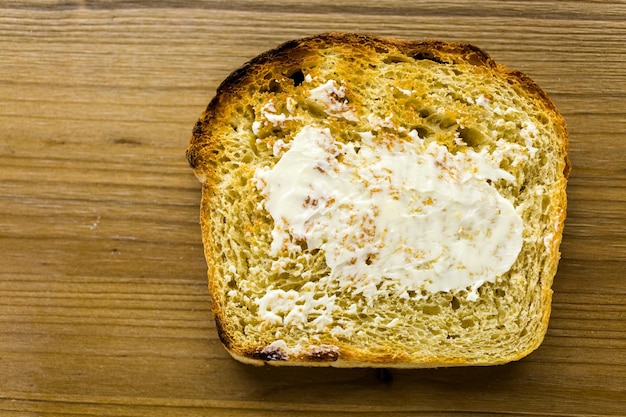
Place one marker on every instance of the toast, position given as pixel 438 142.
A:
pixel 377 202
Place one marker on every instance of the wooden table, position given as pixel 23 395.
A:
pixel 103 300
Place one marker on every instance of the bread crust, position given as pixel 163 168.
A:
pixel 204 154
pixel 289 54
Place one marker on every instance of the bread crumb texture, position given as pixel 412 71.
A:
pixel 380 202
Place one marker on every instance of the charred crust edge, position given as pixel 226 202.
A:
pixel 314 354
pixel 323 355
pixel 223 335
pixel 438 51
pixel 290 55
pixel 268 354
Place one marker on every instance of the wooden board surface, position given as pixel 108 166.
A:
pixel 103 301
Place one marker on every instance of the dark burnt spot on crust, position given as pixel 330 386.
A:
pixel 225 338
pixel 198 128
pixel 314 354
pixel 268 354
pixel 283 53
pixel 450 53
pixel 277 355
pixel 521 80
pixel 192 157
pixel 476 56
pixel 323 354
pixel 200 139
pixel 292 54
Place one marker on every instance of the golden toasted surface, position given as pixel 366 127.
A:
pixel 287 306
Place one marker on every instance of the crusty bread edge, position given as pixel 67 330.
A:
pixel 439 51
pixel 340 363
pixel 435 50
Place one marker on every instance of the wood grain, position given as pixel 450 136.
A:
pixel 103 302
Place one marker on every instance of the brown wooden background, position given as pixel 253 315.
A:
pixel 103 302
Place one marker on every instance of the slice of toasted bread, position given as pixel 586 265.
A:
pixel 380 202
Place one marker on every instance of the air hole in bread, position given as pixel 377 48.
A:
pixel 455 303
pixel 422 131
pixel 545 203
pixel 396 59
pixel 424 113
pixel 302 243
pixel 297 76
pixel 427 56
pixel 446 122
pixel 466 323
pixel 431 310
pixel 316 110
pixel 471 137
pixel 274 86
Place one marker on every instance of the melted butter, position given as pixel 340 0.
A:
pixel 333 98
pixel 293 308
pixel 393 217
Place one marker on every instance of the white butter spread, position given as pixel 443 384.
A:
pixel 293 308
pixel 269 115
pixel 393 217
pixel 333 98
pixel 529 132
pixel 405 92
pixel 483 102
